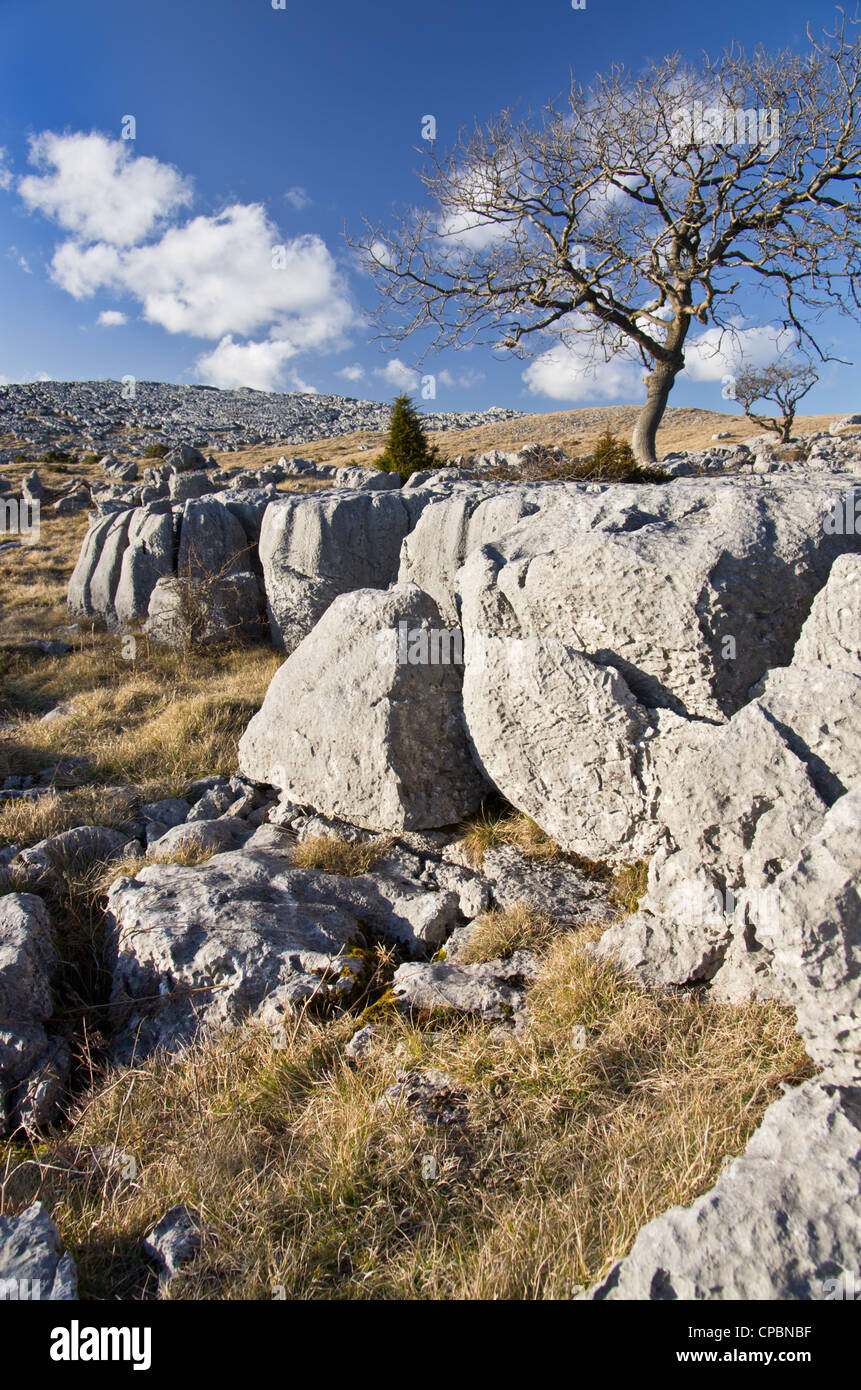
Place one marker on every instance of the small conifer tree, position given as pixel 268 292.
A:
pixel 407 448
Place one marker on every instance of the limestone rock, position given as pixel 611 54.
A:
pixel 29 1056
pixel 350 729
pixel 31 1266
pixel 563 740
pixel 315 548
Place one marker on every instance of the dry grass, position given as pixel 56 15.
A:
pixel 308 1188
pixel 333 855
pixel 497 934
pixel 490 828
pixel 575 431
pixel 160 721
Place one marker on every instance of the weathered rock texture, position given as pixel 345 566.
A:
pixel 354 731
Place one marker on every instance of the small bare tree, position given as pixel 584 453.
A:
pixel 782 384
pixel 641 209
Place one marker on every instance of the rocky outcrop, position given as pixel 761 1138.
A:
pixel 565 741
pixel 315 548
pixel 691 591
pixel 451 527
pixel 740 802
pixel 353 729
pixel 248 935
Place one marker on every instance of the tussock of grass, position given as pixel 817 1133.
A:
pixel 488 829
pixel 333 855
pixel 628 885
pixel 305 1182
pixel 497 934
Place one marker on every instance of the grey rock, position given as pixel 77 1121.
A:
pixel 170 811
pixel 350 730
pixel 198 837
pixel 213 803
pixel 150 554
pixel 554 887
pixel 31 1266
pixel 182 487
pixel 173 1241
pixel 69 852
pixel 315 548
pixel 563 739
pixel 492 990
pixel 207 948
pixel 185 459
pixel 29 1056
pixel 653 579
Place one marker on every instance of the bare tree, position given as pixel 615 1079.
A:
pixel 641 207
pixel 782 384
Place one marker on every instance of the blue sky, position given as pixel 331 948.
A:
pixel 256 127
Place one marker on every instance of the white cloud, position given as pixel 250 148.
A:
pixel 716 353
pixel 96 189
pixel 299 198
pixel 111 318
pixel 352 373
pixel 295 382
pixel 225 277
pixel 20 260
pixel 396 373
pixel 214 276
pixel 5 171
pixel 569 372
pixel 244 364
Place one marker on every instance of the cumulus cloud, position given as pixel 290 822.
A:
pixel 298 198
pixel 396 373
pixel 569 372
pixel 220 275
pixel 225 277
pixel 717 352
pixel 111 318
pixel 5 171
pixel 352 373
pixel 96 189
pixel 245 364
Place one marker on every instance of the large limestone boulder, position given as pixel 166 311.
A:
pixel 814 939
pixel 738 805
pixel 781 1222
pixel 150 554
pixel 186 613
pixel 314 548
pixel 358 732
pixel 740 802
pixel 451 527
pixel 564 740
pixel 691 590
pixel 33 1062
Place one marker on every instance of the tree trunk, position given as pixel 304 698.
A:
pixel 660 384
